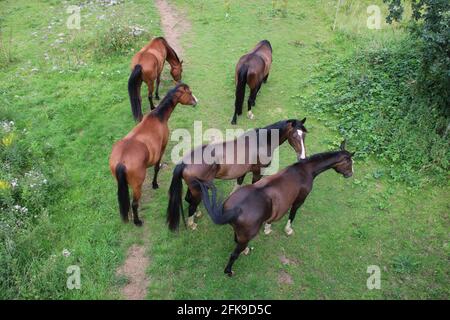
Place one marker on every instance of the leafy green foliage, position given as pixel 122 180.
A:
pixel 119 39
pixel 430 24
pixel 373 99
pixel 27 188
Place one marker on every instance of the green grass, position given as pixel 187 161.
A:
pixel 81 109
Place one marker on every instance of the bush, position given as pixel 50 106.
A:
pixel 119 39
pixel 430 24
pixel 373 98
pixel 26 190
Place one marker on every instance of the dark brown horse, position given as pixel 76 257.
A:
pixel 270 198
pixel 230 166
pixel 252 69
pixel 144 147
pixel 147 66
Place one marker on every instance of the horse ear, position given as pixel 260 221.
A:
pixel 181 62
pixel 343 143
pixel 303 120
pixel 352 154
pixel 293 123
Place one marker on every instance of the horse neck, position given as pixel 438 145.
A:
pixel 323 162
pixel 165 108
pixel 282 136
pixel 171 56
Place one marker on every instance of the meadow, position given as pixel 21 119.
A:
pixel 66 92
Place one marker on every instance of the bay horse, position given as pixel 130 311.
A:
pixel 147 66
pixel 190 169
pixel 144 147
pixel 270 198
pixel 253 69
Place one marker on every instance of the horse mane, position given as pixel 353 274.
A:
pixel 322 156
pixel 165 102
pixel 280 125
pixel 169 48
pixel 266 42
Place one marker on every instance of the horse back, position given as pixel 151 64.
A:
pixel 151 58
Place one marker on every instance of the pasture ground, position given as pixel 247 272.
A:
pixel 67 94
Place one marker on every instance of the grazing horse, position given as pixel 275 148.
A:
pixel 144 147
pixel 252 69
pixel 271 197
pixel 147 66
pixel 232 166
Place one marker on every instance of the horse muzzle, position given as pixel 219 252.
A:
pixel 194 104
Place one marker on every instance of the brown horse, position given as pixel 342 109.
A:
pixel 229 166
pixel 147 66
pixel 271 197
pixel 252 69
pixel 144 147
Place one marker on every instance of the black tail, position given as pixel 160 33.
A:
pixel 133 91
pixel 175 208
pixel 240 89
pixel 214 207
pixel 122 191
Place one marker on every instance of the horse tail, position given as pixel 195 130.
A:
pixel 240 89
pixel 123 195
pixel 133 91
pixel 214 207
pixel 175 208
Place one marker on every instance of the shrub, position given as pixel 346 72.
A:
pixel 375 105
pixel 26 190
pixel 430 24
pixel 119 39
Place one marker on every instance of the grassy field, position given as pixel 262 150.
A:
pixel 68 89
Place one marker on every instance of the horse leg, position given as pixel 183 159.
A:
pixel 158 80
pixel 155 176
pixel 150 86
pixel 194 200
pixel 188 199
pixel 256 176
pixel 135 205
pixel 246 250
pixel 288 229
pixel 251 102
pixel 240 246
pixel 257 91
pixel 234 119
pixel 239 182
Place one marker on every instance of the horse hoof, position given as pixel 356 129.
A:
pixel 138 223
pixel 250 115
pixel 193 226
pixel 198 214
pixel 163 165
pixel 229 273
pixel 267 232
pixel 246 251
pixel 289 231
pixel 155 186
pixel 157 97
pixel 233 122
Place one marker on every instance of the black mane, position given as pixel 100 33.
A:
pixel 323 155
pixel 169 48
pixel 165 102
pixel 267 42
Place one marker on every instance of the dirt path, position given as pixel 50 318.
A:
pixel 174 25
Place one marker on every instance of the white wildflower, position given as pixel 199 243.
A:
pixel 65 253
